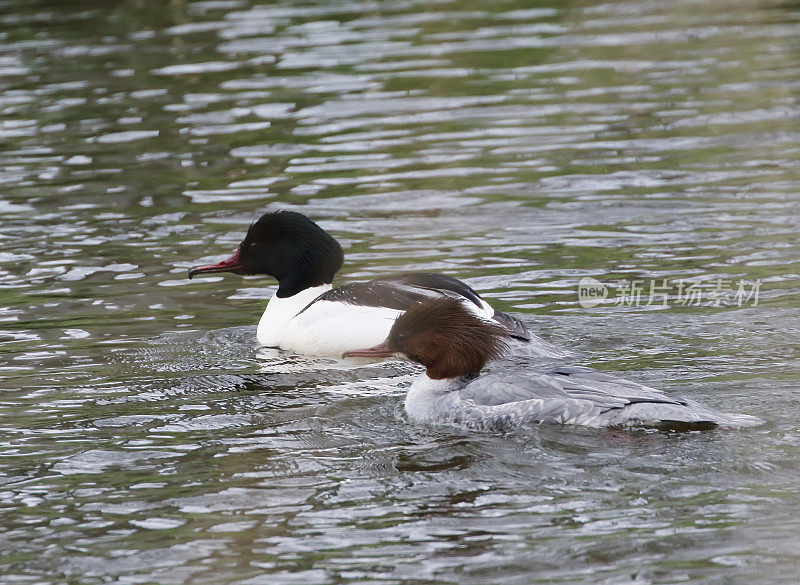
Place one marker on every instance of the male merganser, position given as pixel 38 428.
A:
pixel 307 315
pixel 454 345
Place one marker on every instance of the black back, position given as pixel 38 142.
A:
pixel 404 291
pixel 400 292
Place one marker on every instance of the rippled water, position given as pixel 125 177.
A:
pixel 519 146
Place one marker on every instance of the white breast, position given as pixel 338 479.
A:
pixel 430 400
pixel 324 327
pixel 331 328
pixel 281 310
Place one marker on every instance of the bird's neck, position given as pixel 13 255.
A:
pixel 314 263
pixel 293 284
pixel 281 310
pixel 426 396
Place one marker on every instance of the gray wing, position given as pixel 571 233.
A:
pixel 589 384
pixel 584 396
pixel 560 382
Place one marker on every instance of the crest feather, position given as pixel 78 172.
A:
pixel 447 338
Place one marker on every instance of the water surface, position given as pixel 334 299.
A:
pixel 520 146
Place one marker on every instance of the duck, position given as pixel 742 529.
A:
pixel 454 345
pixel 307 315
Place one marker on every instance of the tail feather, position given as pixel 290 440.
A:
pixel 512 325
pixel 690 415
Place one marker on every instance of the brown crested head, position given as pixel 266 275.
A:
pixel 447 338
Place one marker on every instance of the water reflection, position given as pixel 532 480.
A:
pixel 146 438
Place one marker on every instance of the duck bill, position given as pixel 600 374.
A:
pixel 232 264
pixel 380 350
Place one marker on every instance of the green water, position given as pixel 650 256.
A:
pixel 520 146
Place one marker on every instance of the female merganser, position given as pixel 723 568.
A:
pixel 454 345
pixel 307 315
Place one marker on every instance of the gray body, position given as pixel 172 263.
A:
pixel 513 394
